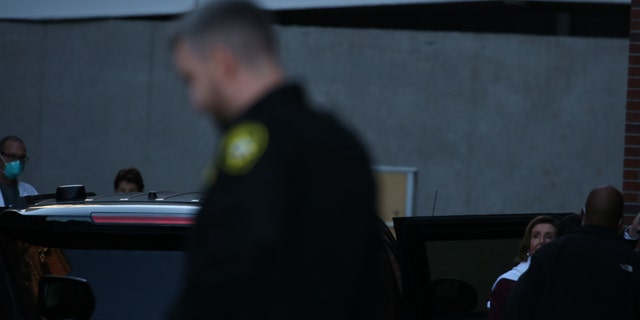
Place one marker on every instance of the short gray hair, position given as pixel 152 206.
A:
pixel 239 25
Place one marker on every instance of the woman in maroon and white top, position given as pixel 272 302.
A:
pixel 538 232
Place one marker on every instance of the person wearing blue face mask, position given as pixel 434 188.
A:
pixel 13 154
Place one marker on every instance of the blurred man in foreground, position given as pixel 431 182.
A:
pixel 287 229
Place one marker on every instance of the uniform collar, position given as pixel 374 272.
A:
pixel 288 94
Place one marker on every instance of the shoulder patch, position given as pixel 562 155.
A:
pixel 242 146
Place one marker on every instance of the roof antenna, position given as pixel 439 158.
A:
pixel 435 200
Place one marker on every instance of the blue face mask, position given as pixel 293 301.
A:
pixel 13 169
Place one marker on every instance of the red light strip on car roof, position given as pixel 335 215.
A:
pixel 142 219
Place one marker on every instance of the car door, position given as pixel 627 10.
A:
pixel 449 263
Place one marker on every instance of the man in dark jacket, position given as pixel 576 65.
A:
pixel 589 274
pixel 287 229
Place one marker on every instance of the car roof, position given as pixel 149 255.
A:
pixel 153 197
pixel 163 202
pixel 74 207
pixel 137 220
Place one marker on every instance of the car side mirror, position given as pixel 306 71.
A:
pixel 62 297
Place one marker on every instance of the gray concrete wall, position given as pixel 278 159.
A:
pixel 495 123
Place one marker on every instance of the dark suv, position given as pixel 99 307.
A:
pixel 71 255
pixel 129 247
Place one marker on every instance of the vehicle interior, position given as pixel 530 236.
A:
pixel 450 263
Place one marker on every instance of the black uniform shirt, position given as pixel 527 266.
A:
pixel 287 230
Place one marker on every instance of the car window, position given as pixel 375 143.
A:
pixel 127 284
pixel 473 265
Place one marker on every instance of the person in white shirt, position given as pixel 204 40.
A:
pixel 540 231
pixel 13 154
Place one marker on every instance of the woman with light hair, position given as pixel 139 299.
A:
pixel 539 231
